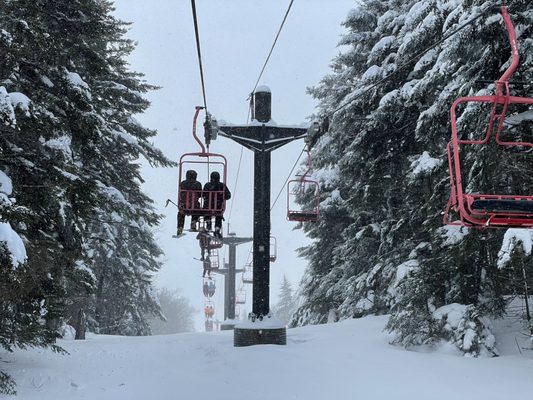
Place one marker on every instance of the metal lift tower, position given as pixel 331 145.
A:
pixel 262 137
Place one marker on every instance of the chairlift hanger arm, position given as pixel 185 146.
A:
pixel 197 111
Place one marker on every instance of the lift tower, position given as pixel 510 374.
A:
pixel 232 241
pixel 262 136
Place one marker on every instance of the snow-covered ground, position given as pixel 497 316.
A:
pixel 348 360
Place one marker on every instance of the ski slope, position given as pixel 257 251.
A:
pixel 347 360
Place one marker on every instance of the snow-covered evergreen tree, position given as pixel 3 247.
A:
pixel 384 159
pixel 177 313
pixel 70 145
pixel 286 304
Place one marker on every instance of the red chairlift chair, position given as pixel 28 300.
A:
pixel 209 309
pixel 489 210
pixel 273 249
pixel 301 186
pixel 201 202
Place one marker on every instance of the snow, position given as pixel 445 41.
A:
pixel 77 82
pixel 453 313
pixel 383 43
pixel 389 98
pixel 371 73
pixel 47 81
pixel 61 143
pixel 416 12
pixel 327 176
pixel 511 239
pixel 7 113
pixel 403 269
pixel 14 244
pixel 262 88
pixel 347 360
pixel 269 322
pixel 424 164
pixel 21 101
pixel 452 234
pixel 6 186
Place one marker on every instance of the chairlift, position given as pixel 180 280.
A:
pixel 208 241
pixel 209 309
pixel 303 186
pixel 198 201
pixel 273 249
pixel 247 274
pixel 208 325
pixel 489 210
pixel 214 258
pixel 209 287
pixel 240 297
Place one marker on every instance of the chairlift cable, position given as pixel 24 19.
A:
pixel 287 180
pixel 195 19
pixel 273 45
pixel 411 60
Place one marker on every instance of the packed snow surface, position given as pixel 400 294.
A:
pixel 347 360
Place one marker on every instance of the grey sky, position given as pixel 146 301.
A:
pixel 236 36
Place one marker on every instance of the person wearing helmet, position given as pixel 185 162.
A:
pixel 215 192
pixel 190 191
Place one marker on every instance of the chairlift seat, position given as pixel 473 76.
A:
pixel 519 206
pixel 303 216
pixel 298 187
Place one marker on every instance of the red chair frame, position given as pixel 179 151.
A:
pixel 303 184
pixel 489 210
pixel 201 202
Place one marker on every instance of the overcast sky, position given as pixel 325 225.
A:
pixel 236 36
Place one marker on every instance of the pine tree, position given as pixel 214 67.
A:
pixel 177 313
pixel 384 160
pixel 70 145
pixel 286 304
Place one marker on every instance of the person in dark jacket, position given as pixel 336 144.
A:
pixel 215 193
pixel 190 192
pixel 211 288
pixel 207 267
pixel 204 240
